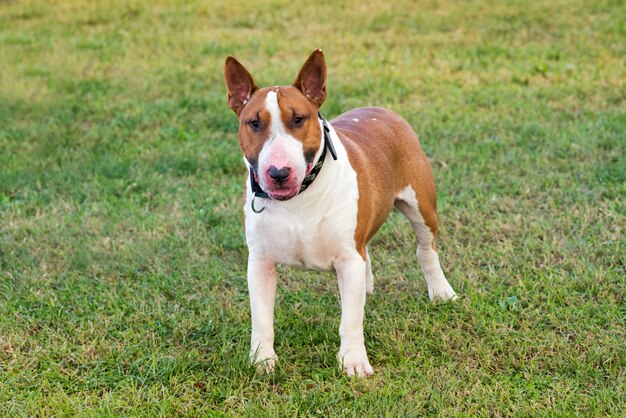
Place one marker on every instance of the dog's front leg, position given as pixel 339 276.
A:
pixel 351 274
pixel 262 288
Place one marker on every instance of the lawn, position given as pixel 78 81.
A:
pixel 122 254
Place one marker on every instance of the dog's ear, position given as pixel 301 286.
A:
pixel 239 84
pixel 311 80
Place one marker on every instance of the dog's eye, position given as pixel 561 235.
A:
pixel 298 121
pixel 254 124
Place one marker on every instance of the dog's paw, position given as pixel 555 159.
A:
pixel 441 293
pixel 353 361
pixel 263 360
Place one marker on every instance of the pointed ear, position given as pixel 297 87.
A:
pixel 311 80
pixel 239 84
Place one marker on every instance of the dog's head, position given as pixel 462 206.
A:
pixel 279 131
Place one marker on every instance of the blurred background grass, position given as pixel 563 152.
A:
pixel 122 257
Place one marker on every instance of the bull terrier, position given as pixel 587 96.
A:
pixel 318 191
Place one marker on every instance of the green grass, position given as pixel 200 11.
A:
pixel 122 255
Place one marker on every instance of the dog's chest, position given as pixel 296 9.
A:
pixel 310 239
pixel 311 231
pixel 301 243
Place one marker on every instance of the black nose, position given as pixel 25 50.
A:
pixel 279 175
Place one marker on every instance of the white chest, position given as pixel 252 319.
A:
pixel 301 243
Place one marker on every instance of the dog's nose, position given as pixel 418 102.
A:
pixel 279 175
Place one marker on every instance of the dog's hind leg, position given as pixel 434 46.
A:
pixel 425 231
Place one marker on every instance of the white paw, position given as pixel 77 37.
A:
pixel 441 292
pixel 353 361
pixel 265 360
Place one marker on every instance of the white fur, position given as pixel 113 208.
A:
pixel 369 275
pixel 313 230
pixel 279 142
pixel 438 286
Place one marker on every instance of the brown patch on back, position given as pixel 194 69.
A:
pixel 387 156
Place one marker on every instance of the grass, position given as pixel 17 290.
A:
pixel 122 256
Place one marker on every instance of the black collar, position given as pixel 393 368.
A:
pixel 328 145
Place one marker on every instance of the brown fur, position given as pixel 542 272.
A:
pixel 387 157
pixel 239 83
pixel 291 104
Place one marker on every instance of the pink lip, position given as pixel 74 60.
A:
pixel 283 194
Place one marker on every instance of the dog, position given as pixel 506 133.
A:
pixel 316 194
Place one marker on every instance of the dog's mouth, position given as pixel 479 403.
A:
pixel 284 190
pixel 282 193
